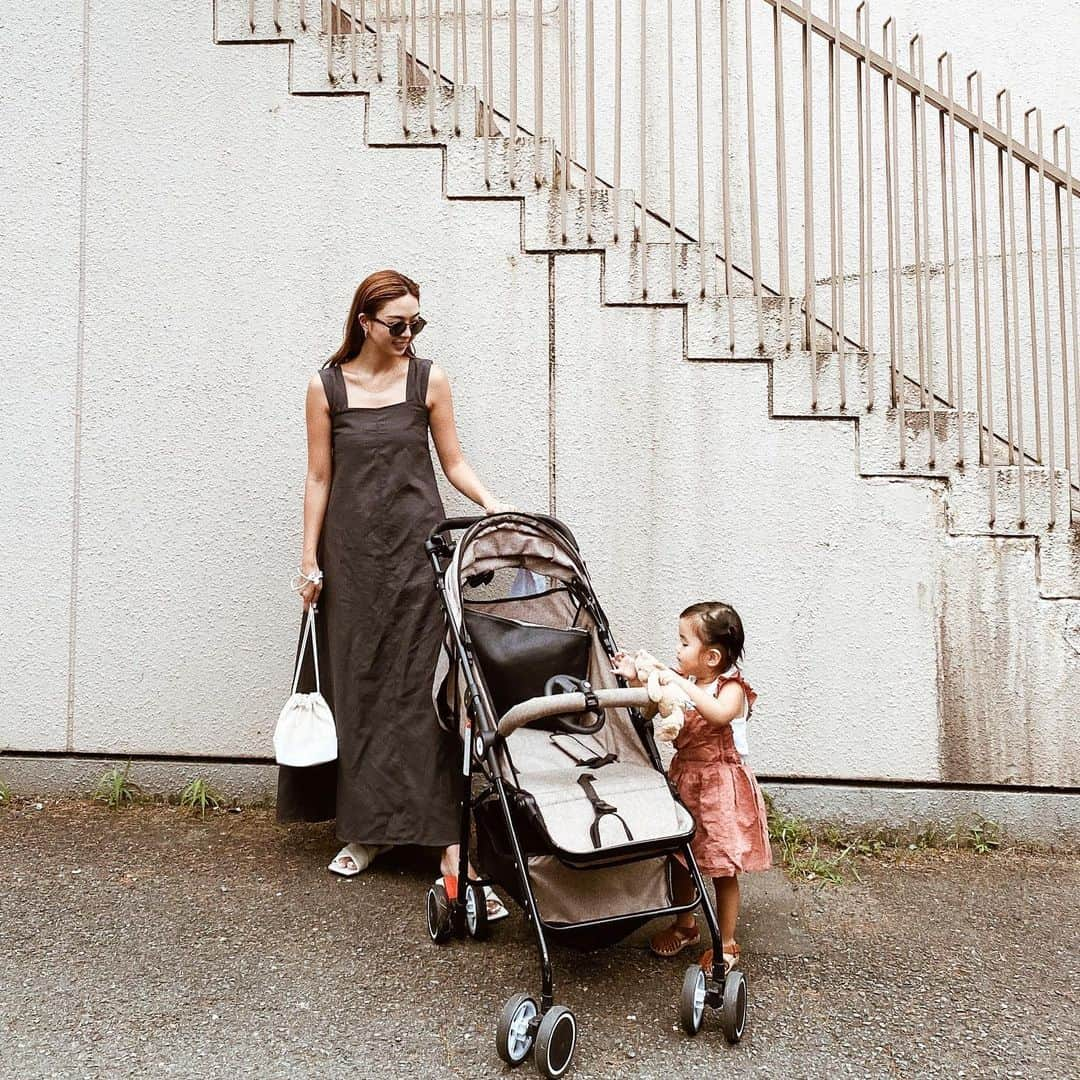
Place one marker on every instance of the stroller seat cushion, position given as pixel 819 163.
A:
pixel 589 809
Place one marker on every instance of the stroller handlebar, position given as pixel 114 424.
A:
pixel 555 704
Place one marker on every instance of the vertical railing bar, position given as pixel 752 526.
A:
pixel 303 15
pixel 959 373
pixel 725 166
pixel 924 181
pixel 1051 465
pixel 405 73
pixel 432 80
pixel 899 389
pixel 564 116
pixel 485 100
pixel 590 118
pixel 751 154
pixel 1014 277
pixel 458 82
pixel 834 336
pixel 671 148
pixel 1062 326
pixel 1009 389
pixel 1029 230
pixel 643 228
pixel 511 151
pixel 328 26
pixel 538 89
pixel 379 42
pixel 251 15
pixel 413 20
pixel 976 300
pixel 888 136
pixel 489 90
pixel 837 186
pixel 617 148
pixel 859 105
pixel 438 68
pixel 917 225
pixel 781 173
pixel 464 43
pixel 950 385
pixel 988 374
pixel 699 133
pixel 810 328
pixel 352 40
pixel 276 14
pixel 1074 310
pixel 868 341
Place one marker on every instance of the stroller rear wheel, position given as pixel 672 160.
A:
pixel 438 914
pixel 733 1007
pixel 556 1039
pixel 513 1035
pixel 692 1000
pixel 476 916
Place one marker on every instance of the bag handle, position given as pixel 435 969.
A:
pixel 309 631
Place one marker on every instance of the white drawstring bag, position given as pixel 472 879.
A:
pixel 305 733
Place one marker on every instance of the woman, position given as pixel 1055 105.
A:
pixel 370 501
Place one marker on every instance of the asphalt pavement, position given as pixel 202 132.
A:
pixel 150 942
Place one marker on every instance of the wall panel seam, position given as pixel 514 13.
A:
pixel 80 352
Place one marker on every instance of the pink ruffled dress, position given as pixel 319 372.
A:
pixel 722 793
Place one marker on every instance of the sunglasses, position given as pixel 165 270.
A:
pixel 398 327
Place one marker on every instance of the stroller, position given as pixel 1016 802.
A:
pixel 575 818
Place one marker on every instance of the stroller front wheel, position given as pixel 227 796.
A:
pixel 692 1000
pixel 556 1039
pixel 514 1033
pixel 733 1008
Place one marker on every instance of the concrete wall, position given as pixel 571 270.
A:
pixel 186 238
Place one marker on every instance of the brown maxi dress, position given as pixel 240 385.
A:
pixel 380 627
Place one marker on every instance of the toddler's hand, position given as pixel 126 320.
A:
pixel 622 664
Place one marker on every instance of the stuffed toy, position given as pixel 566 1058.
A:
pixel 668 699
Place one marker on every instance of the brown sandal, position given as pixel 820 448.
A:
pixel 731 959
pixel 673 939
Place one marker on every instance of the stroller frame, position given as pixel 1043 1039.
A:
pixel 546 1028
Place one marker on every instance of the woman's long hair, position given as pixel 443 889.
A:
pixel 371 294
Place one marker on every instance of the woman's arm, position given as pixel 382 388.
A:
pixel 316 484
pixel 458 471
pixel 718 711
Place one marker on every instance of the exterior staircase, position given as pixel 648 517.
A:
pixel 901 435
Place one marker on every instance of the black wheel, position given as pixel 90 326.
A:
pixel 476 917
pixel 438 914
pixel 513 1040
pixel 733 1007
pixel 555 1042
pixel 692 1000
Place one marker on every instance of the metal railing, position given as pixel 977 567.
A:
pixel 919 229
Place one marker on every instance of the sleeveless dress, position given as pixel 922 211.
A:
pixel 396 780
pixel 720 790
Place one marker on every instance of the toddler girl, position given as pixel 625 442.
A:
pixel 710 771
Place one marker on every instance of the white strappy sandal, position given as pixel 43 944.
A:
pixel 359 855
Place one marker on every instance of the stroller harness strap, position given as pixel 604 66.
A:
pixel 595 761
pixel 601 809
